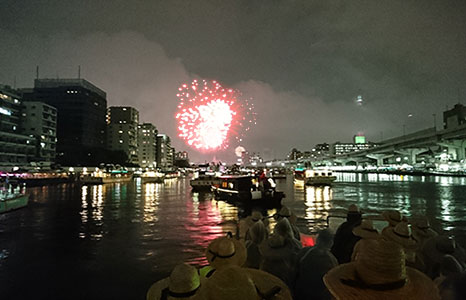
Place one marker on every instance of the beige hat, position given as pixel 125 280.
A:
pixel 366 230
pixel 421 229
pixel 224 251
pixel 379 273
pixel 233 283
pixel 400 234
pixel 285 212
pixel 183 283
pixel 393 217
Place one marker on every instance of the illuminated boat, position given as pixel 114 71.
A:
pixel 319 177
pixel 203 181
pixel 100 177
pixel 11 199
pixel 242 190
pixel 152 177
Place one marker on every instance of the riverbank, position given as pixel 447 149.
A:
pixel 404 172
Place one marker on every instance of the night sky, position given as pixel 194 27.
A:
pixel 303 62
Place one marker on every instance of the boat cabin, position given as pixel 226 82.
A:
pixel 236 183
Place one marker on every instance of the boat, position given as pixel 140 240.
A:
pixel 278 174
pixel 12 198
pixel 245 190
pixel 100 177
pixel 152 177
pixel 203 181
pixel 319 177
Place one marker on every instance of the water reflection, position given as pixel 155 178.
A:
pixel 145 229
pixel 92 205
pixel 317 201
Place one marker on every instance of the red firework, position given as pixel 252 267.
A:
pixel 209 115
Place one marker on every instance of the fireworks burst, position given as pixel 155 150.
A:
pixel 210 115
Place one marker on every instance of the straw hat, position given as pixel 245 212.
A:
pixel 285 212
pixel 379 273
pixel 421 229
pixel 393 217
pixel 183 283
pixel 400 234
pixel 224 251
pixel 232 283
pixel 366 230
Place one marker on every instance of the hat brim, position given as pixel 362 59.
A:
pixel 389 233
pixel 155 291
pixel 366 234
pixel 238 259
pixel 418 286
pixel 390 221
pixel 263 281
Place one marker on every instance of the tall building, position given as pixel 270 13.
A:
pixel 454 117
pixel 147 141
pixel 122 131
pixel 81 110
pixel 164 151
pixel 15 147
pixel 40 121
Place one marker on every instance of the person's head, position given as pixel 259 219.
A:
pixel 283 228
pixel 366 230
pixel 379 273
pixel 324 239
pixel 284 212
pixel 245 284
pixel 256 215
pixel 393 217
pixel 184 283
pixel 225 251
pixel 353 215
pixel 258 232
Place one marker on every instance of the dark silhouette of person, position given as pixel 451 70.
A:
pixel 345 240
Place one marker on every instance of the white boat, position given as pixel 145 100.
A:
pixel 12 197
pixel 319 177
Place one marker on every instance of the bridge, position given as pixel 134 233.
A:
pixel 409 146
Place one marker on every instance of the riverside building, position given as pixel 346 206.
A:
pixel 16 149
pixel 40 121
pixel 147 150
pixel 81 111
pixel 122 131
pixel 165 153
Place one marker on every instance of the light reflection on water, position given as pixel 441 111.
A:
pixel 145 229
pixel 439 198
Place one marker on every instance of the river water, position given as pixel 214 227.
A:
pixel 112 241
